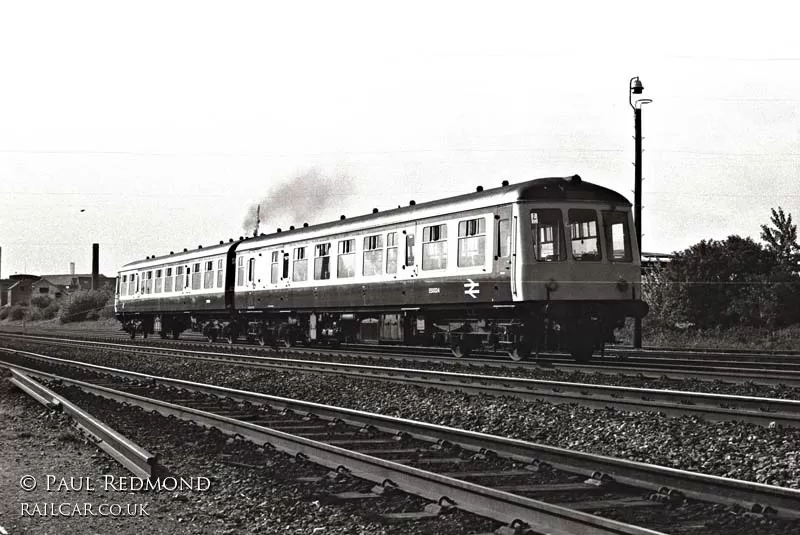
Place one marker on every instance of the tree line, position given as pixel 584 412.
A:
pixel 730 283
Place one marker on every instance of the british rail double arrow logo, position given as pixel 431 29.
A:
pixel 472 288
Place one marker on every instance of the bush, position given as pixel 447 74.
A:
pixel 34 314
pixel 41 301
pixel 4 312
pixel 17 312
pixel 81 303
pixel 51 311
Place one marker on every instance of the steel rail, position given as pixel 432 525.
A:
pixel 136 459
pixel 717 407
pixel 470 497
pixel 654 353
pixel 702 487
pixel 627 368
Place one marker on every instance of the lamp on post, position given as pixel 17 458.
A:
pixel 635 87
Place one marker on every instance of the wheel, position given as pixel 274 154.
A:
pixel 262 339
pixel 176 334
pixel 520 351
pixel 212 336
pixel 461 349
pixel 162 334
pixel 288 342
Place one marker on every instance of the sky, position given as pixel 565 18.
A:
pixel 148 127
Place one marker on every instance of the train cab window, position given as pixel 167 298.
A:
pixel 148 285
pixel 503 238
pixel 472 242
pixel 300 267
pixel 159 280
pixel 251 270
pixel 220 263
pixel 322 261
pixel 123 285
pixel 547 228
pixel 179 283
pixel 346 266
pixel 275 271
pixel 196 276
pixel 208 275
pixel 285 273
pixel 240 271
pixel 168 280
pixel 434 247
pixel 583 233
pixel 391 253
pixel 618 242
pixel 373 255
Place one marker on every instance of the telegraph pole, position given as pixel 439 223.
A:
pixel 635 87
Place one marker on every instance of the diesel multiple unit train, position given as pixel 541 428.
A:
pixel 504 268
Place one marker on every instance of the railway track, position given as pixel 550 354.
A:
pixel 511 481
pixel 770 360
pixel 392 356
pixel 708 406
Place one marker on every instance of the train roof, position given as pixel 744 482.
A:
pixel 556 189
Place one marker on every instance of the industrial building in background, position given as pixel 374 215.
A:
pixel 20 288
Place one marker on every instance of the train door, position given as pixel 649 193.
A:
pixel 250 279
pixel 409 263
pixel 516 261
pixel 502 265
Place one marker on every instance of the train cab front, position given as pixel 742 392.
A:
pixel 577 269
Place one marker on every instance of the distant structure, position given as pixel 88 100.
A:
pixel 19 289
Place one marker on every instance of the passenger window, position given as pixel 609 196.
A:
pixel 618 242
pixel 179 283
pixel 196 276
pixel 391 253
pixel 275 271
pixel 168 280
pixel 208 276
pixel 322 261
pixel 219 272
pixel 373 255
pixel 472 242
pixel 347 259
pixel 148 288
pixel 123 285
pixel 547 228
pixel 285 266
pixel 300 269
pixel 583 233
pixel 434 247
pixel 158 281
pixel 240 271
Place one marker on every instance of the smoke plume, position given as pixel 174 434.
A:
pixel 302 199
